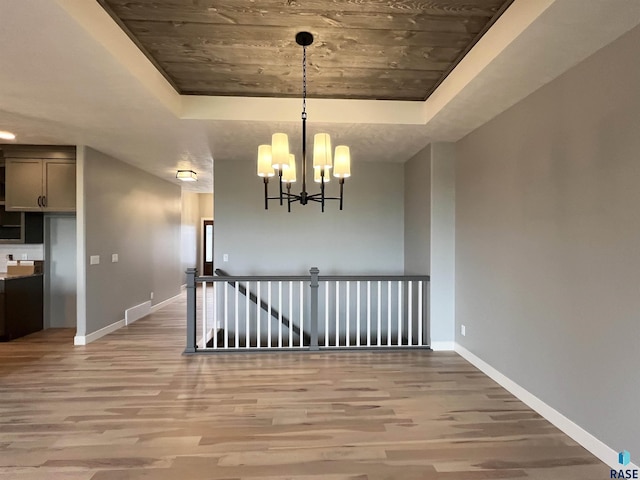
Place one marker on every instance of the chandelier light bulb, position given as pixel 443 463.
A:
pixel 289 174
pixel 317 176
pixel 280 151
pixel 264 161
pixel 342 162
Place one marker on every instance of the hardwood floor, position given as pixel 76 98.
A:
pixel 129 407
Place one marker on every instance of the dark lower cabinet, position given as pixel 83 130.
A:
pixel 21 306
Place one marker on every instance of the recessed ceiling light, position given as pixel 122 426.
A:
pixel 7 135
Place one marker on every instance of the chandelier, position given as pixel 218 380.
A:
pixel 275 159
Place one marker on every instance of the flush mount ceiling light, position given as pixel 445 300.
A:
pixel 276 157
pixel 7 135
pixel 187 175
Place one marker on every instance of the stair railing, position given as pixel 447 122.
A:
pixel 308 312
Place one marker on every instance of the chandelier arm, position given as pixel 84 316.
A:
pixel 280 182
pixel 266 193
pixel 341 191
pixel 289 197
pixel 319 200
pixel 322 172
pixel 318 197
pixel 286 195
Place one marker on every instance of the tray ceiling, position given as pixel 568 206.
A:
pixel 380 49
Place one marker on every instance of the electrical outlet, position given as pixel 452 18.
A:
pixel 114 258
pixel 225 257
pixel 25 256
pixel 463 330
pixel 151 295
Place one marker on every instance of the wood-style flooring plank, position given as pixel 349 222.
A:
pixel 130 406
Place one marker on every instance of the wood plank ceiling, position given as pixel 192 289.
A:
pixel 378 49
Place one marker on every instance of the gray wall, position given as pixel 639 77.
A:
pixel 124 210
pixel 548 243
pixel 366 237
pixel 190 231
pixel 205 201
pixel 443 239
pixel 417 213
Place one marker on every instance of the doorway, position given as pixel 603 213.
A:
pixel 60 271
pixel 207 247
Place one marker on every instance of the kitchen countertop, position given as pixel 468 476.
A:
pixel 6 276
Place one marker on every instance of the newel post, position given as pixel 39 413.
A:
pixel 191 310
pixel 314 308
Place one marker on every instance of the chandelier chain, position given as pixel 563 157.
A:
pixel 304 82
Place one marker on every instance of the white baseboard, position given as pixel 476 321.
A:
pixel 605 453
pixel 183 287
pixel 164 303
pixel 442 346
pixel 131 315
pixel 86 339
pixel 136 313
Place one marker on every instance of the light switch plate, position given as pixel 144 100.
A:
pixel 225 257
pixel 114 258
pixel 463 330
pixel 94 259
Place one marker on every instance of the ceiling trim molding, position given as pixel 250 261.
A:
pixel 515 20
pixel 99 24
pixel 267 109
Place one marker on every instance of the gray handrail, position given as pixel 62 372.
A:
pixel 374 278
pixel 254 278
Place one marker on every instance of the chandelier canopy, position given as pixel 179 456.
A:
pixel 275 159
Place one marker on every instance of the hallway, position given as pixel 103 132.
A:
pixel 130 406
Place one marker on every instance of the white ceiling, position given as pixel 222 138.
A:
pixel 68 75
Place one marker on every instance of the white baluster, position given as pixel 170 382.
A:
pixel 214 304
pixel 247 333
pixel 348 309
pixel 337 313
pixel 204 314
pixel 410 314
pixel 326 314
pixel 236 332
pixel 368 313
pixel 378 332
pixel 358 313
pixel 399 342
pixel 269 319
pixel 420 312
pixel 280 314
pixel 388 313
pixel 290 314
pixel 258 306
pixel 226 316
pixel 301 314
